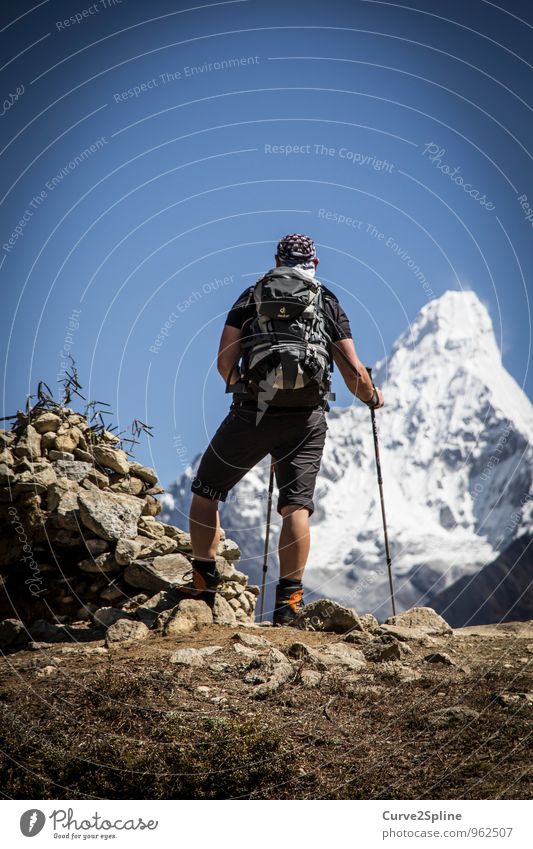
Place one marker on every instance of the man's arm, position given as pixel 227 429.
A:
pixel 229 351
pixel 353 371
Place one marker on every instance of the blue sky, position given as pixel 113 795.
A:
pixel 153 156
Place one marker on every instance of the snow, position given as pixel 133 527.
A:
pixel 457 465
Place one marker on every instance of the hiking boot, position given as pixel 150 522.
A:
pixel 289 605
pixel 205 579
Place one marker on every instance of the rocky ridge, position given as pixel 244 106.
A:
pixel 81 541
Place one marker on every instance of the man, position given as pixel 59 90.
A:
pixel 259 424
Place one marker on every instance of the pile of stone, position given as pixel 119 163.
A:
pixel 80 539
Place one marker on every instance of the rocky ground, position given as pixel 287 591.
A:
pixel 409 709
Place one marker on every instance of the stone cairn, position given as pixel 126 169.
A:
pixel 80 541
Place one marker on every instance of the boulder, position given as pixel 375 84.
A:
pixel 187 616
pixel 109 515
pixel 62 499
pixel 383 648
pixel 422 619
pixel 102 563
pixel 344 655
pixel 111 458
pixel 35 481
pixel 128 550
pixel 47 422
pixel 74 470
pixel 12 633
pixel 193 657
pixel 126 631
pixel 144 473
pixel 162 573
pixel 223 613
pixel 107 616
pixel 29 444
pixel 326 615
pixel 439 657
pixel 456 715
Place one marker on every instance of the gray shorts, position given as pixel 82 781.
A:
pixel 294 439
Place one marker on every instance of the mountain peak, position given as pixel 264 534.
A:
pixel 456 326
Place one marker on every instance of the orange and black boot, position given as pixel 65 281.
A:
pixel 289 602
pixel 205 579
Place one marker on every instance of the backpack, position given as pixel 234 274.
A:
pixel 286 358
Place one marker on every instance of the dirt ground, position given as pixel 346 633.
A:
pixel 81 721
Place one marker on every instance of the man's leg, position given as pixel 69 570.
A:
pixel 298 458
pixel 294 542
pixel 204 527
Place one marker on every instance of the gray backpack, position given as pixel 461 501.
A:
pixel 286 358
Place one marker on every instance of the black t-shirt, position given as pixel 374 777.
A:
pixel 243 312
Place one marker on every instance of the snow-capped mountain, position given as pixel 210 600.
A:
pixel 457 467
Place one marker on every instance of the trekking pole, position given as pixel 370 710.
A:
pixel 382 500
pixel 267 537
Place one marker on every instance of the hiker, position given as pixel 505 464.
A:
pixel 276 355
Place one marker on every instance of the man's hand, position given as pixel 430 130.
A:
pixel 376 401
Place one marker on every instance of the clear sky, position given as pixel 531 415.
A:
pixel 153 154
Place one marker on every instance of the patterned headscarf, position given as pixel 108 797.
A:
pixel 297 249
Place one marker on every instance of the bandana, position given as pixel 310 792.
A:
pixel 297 249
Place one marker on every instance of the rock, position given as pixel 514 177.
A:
pixel 383 648
pixel 98 478
pixel 152 507
pixel 109 515
pixel 326 615
pixel 422 619
pixel 46 671
pixel 404 634
pixel 148 612
pixel 229 550
pixel 74 470
pixel 223 613
pixel 193 657
pixel 156 547
pixel 439 657
pixel 345 655
pixel 12 633
pixel 281 672
pixel 54 455
pixel 49 632
pixel 6 456
pixel 399 672
pixel 514 699
pixel 369 623
pixel 107 616
pixel 125 631
pixel 111 458
pixel 150 528
pixel 128 550
pixel 67 442
pixel 47 422
pixel 62 499
pixel 144 473
pixel 131 486
pixel 299 651
pixel 310 678
pixel 7 475
pixel 252 641
pixel 102 563
pixel 96 546
pixel 29 444
pixel 457 715
pixel 163 573
pixel 187 616
pixel 37 481
pixel 7 438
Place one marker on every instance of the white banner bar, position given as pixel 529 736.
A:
pixel 266 825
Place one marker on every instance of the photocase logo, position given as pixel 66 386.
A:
pixel 32 822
